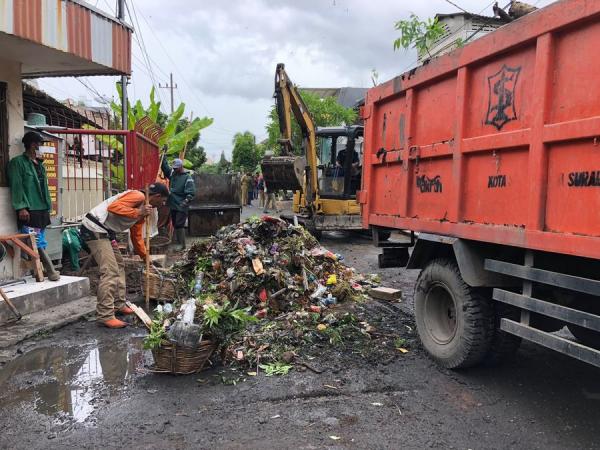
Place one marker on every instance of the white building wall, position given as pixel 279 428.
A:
pixel 10 73
pixel 459 27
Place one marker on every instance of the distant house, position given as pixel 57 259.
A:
pixel 460 28
pixel 57 114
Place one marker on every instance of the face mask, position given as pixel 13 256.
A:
pixel 39 154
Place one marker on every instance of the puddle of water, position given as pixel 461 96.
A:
pixel 70 380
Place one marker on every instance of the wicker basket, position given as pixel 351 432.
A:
pixel 159 245
pixel 170 358
pixel 161 286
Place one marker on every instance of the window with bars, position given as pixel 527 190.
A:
pixel 3 133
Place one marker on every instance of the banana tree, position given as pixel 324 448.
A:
pixel 174 141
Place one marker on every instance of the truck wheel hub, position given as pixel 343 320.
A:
pixel 440 314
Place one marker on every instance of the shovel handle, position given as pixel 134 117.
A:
pixel 10 304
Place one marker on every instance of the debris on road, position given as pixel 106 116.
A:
pixel 269 295
pixel 385 293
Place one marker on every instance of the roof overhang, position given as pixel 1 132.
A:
pixel 63 38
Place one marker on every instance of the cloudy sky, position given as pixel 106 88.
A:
pixel 223 53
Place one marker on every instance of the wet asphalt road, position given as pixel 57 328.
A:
pixel 86 387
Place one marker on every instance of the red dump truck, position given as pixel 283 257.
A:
pixel 490 156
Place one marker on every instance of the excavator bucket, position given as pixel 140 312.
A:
pixel 283 172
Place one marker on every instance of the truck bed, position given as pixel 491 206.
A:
pixel 498 141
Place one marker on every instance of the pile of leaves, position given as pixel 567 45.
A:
pixel 270 294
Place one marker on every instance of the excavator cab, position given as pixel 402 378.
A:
pixel 340 161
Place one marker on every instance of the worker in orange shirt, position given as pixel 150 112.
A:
pixel 120 213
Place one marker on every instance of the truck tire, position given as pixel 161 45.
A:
pixel 504 345
pixel 455 321
pixel 585 336
pixel 384 235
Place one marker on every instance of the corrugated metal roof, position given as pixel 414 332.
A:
pixel 6 16
pixel 73 27
pixel 102 49
pixel 54 25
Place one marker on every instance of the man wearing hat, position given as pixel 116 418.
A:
pixel 31 197
pixel 182 192
pixel 126 211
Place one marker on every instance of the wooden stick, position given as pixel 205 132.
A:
pixel 147 251
pixel 145 318
pixel 10 304
pixel 37 264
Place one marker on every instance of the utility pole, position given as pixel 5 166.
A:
pixel 124 112
pixel 170 87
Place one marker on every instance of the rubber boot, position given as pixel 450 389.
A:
pixel 49 269
pixel 180 234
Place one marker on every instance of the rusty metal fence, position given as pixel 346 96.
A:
pixel 93 165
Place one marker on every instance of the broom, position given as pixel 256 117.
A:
pixel 147 223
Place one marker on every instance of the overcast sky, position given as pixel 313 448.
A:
pixel 223 53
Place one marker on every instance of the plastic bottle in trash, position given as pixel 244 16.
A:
pixel 198 283
pixel 188 310
pixel 319 291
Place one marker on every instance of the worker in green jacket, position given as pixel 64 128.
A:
pixel 31 197
pixel 183 191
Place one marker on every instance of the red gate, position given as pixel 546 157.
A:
pixel 143 154
pixel 96 164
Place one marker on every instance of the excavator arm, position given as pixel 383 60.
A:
pixel 288 171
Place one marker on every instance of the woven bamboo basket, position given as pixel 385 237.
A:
pixel 170 358
pixel 159 245
pixel 161 286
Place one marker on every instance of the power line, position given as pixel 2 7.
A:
pixel 97 95
pixel 149 72
pixel 142 45
pixel 110 9
pixel 179 72
pixel 456 6
pixel 174 64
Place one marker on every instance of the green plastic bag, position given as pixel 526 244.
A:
pixel 72 244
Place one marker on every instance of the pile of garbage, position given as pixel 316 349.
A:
pixel 281 290
pixel 270 266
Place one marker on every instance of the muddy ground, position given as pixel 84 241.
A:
pixel 87 387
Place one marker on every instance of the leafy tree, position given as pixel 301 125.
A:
pixel 195 155
pixel 210 168
pixel 418 34
pixel 245 155
pixel 326 112
pixel 223 166
pixel 178 132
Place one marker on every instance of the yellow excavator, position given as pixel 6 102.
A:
pixel 326 176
